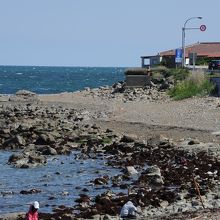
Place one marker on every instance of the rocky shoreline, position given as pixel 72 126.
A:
pixel 161 174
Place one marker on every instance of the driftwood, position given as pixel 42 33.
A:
pixel 198 191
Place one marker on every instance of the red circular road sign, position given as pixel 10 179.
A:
pixel 202 27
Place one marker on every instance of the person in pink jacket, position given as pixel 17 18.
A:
pixel 32 213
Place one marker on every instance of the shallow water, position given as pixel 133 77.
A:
pixel 61 174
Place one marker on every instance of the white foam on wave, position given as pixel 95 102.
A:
pixel 19 73
pixel 44 89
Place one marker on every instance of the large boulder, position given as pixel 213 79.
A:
pixel 24 95
pixel 45 139
pixel 130 170
pixel 26 160
pixel 47 150
pixel 14 142
pixel 128 138
pixel 152 176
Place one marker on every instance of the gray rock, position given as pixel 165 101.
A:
pixel 153 171
pixel 96 217
pixel 130 170
pixel 45 139
pixel 6 193
pixel 25 93
pixel 26 160
pixel 20 140
pixel 107 217
pixel 153 176
pixel 13 142
pixel 47 150
pixel 164 204
pixel 128 138
pixel 15 157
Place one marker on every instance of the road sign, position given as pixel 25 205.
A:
pixel 178 55
pixel 202 27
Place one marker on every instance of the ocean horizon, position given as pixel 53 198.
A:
pixel 56 79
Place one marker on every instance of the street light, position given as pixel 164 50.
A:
pixel 184 36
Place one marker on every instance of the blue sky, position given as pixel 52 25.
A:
pixel 99 32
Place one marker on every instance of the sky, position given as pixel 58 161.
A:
pixel 99 33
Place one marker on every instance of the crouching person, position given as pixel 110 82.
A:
pixel 128 211
pixel 32 213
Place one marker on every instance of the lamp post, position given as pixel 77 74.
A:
pixel 184 36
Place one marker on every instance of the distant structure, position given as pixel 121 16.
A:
pixel 203 50
pixel 137 77
pixel 150 61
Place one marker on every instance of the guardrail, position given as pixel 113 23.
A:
pixel 212 71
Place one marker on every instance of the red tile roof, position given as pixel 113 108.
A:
pixel 208 49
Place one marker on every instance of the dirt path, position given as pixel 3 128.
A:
pixel 145 131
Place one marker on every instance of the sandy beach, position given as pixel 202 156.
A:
pixel 195 117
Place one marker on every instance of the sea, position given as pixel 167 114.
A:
pixel 52 80
pixel 63 178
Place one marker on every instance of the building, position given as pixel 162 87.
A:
pixel 149 61
pixel 205 51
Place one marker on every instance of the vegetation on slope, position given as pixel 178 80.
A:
pixel 195 84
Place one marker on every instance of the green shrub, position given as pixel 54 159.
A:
pixel 168 61
pixel 179 73
pixel 194 85
pixel 160 71
pixel 157 75
pixel 203 60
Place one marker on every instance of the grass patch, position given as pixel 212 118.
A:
pixel 106 140
pixel 195 85
pixel 82 141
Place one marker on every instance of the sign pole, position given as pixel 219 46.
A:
pixel 183 38
pixel 183 47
